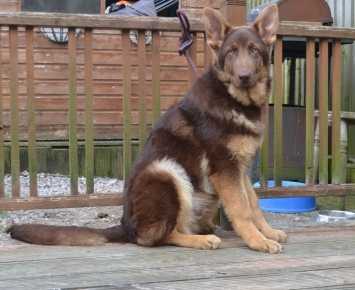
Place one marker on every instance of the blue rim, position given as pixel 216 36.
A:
pixel 287 204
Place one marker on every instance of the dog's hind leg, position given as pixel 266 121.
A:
pixel 258 216
pixel 235 201
pixel 203 242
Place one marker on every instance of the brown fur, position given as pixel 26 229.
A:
pixel 198 154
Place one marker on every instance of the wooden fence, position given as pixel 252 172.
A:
pixel 324 37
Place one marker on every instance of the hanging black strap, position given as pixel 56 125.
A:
pixel 186 40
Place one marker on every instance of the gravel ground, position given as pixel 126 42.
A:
pixel 100 217
pixel 57 184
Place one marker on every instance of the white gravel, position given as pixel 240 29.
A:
pixel 57 184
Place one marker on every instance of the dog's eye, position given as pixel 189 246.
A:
pixel 233 50
pixel 253 50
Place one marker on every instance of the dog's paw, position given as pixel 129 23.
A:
pixel 267 246
pixel 276 235
pixel 209 242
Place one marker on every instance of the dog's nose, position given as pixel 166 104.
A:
pixel 244 77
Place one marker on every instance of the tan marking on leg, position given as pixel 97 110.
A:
pixel 236 204
pixel 203 242
pixel 258 216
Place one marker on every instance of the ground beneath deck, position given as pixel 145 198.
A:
pixel 318 258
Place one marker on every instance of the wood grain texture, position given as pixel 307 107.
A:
pixel 312 259
pixel 61 202
pixel 14 128
pixel 323 108
pixel 337 165
pixel 310 99
pixel 142 90
pixel 156 76
pixel 72 117
pixel 89 120
pixel 2 153
pixel 127 90
pixel 278 102
pixel 32 151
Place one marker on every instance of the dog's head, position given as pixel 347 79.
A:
pixel 241 54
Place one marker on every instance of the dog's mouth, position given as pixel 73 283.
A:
pixel 243 84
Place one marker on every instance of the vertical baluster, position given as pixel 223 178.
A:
pixel 2 156
pixel 32 154
pixel 323 112
pixel 310 85
pixel 15 148
pixel 127 91
pixel 73 142
pixel 89 121
pixel 278 153
pixel 142 88
pixel 338 163
pixel 156 75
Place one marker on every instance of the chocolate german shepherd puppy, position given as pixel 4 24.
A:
pixel 197 155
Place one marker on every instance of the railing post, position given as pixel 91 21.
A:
pixel 73 142
pixel 310 86
pixel 31 107
pixel 142 89
pixel 127 92
pixel 338 164
pixel 89 121
pixel 15 147
pixel 2 155
pixel 278 101
pixel 323 111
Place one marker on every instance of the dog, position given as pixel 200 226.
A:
pixel 197 155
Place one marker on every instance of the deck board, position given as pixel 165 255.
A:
pixel 322 258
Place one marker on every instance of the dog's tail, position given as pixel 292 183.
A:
pixel 66 235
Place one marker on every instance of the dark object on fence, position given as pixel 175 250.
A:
pixel 137 8
pixel 301 11
pixel 186 40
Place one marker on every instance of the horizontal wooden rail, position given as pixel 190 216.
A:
pixel 154 23
pixel 117 199
pixel 62 202
pixel 310 190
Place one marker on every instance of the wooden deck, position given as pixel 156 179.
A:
pixel 322 258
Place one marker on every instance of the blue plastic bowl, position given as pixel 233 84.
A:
pixel 287 204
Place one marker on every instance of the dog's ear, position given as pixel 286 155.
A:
pixel 216 27
pixel 267 24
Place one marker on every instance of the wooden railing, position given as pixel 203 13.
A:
pixel 322 36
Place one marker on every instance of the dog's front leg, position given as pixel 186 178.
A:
pixel 236 204
pixel 258 216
